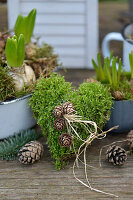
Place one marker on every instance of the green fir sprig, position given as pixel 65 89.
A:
pixel 10 147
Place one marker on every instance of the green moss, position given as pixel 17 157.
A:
pixel 124 87
pixel 48 93
pixel 6 85
pixel 7 89
pixel 45 51
pixel 126 75
pixel 92 101
pixel 27 89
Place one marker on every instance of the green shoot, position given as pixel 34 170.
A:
pixel 107 74
pixel 131 63
pixel 107 68
pixel 98 68
pixel 15 51
pixel 119 70
pixel 101 72
pixel 114 73
pixel 25 25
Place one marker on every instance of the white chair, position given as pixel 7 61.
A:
pixel 70 26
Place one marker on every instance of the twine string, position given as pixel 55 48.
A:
pixel 91 188
pixel 70 119
pixel 82 161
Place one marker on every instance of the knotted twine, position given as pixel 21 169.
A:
pixel 73 118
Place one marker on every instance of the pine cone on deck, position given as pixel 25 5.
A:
pixel 65 140
pixel 31 152
pixel 68 108
pixel 60 124
pixel 130 139
pixel 116 155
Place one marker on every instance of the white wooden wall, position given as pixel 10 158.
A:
pixel 70 26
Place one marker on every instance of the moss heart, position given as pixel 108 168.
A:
pixel 92 101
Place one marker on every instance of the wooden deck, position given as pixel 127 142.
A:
pixel 42 181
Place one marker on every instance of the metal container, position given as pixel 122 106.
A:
pixel 122 115
pixel 15 115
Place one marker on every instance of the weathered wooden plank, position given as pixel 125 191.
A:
pixel 42 181
pixel 23 174
pixel 64 181
pixel 57 192
pixel 39 194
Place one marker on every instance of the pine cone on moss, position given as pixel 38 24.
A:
pixel 65 140
pixel 131 82
pixel 130 139
pixel 31 152
pixel 91 80
pixel 3 39
pixel 58 111
pixel 116 155
pixel 131 90
pixel 118 95
pixel 68 108
pixel 30 50
pixel 60 124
